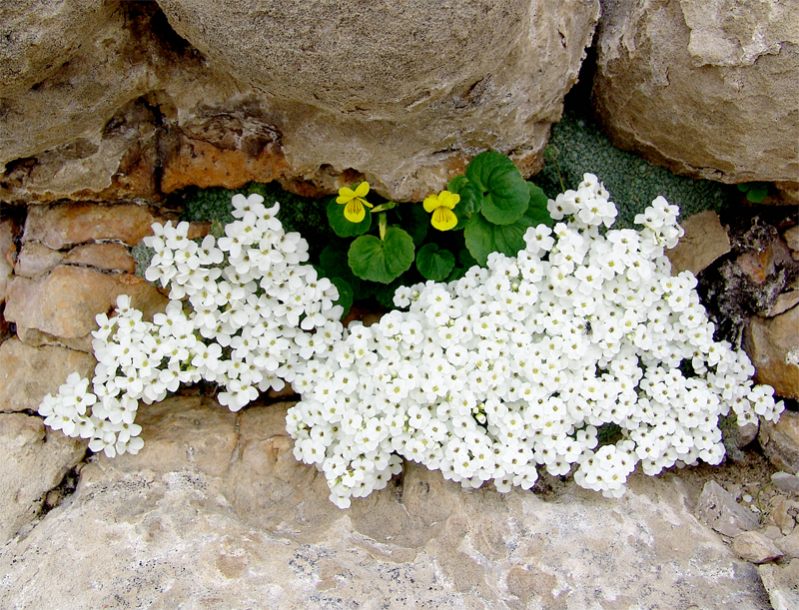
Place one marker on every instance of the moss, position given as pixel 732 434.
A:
pixel 577 146
pixel 142 255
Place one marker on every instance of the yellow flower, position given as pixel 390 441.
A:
pixel 353 201
pixel 441 206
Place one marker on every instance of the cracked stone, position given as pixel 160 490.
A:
pixel 27 373
pixel 8 253
pixel 786 482
pixel 782 583
pixel 755 547
pixel 36 259
pixel 780 441
pixel 35 461
pixel 70 224
pixel 704 242
pixel 64 303
pixel 718 508
pixel 772 345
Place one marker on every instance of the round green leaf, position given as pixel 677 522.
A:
pixel 382 261
pixel 434 263
pixel 504 192
pixel 482 238
pixel 537 212
pixel 343 227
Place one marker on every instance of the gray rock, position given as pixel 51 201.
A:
pixel 786 482
pixel 215 512
pixel 719 509
pixel 755 547
pixel 782 584
pixel 780 441
pixel 34 461
pixel 789 544
pixel 701 86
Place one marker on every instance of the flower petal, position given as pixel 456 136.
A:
pixel 443 219
pixel 354 211
pixel 430 203
pixel 448 200
pixel 362 189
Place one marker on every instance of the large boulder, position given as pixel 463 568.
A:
pixel 309 93
pixel 215 512
pixel 705 88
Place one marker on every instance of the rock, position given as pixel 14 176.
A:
pixel 789 544
pixel 699 86
pixel 787 300
pixel 705 241
pixel 782 584
pixel 780 441
pixel 64 303
pixel 233 109
pixel 35 259
pixel 786 482
pixel 755 547
pixel 8 252
pixel 27 373
pixel 39 459
pixel 791 237
pixel 223 516
pixel 718 509
pixel 783 512
pixel 61 226
pixel 773 347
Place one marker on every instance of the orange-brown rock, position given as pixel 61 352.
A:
pixel 35 258
pixel 61 226
pixel 64 303
pixel 107 256
pixel 773 346
pixel 780 442
pixel 7 255
pixel 705 240
pixel 27 373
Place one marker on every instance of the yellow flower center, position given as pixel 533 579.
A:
pixel 354 202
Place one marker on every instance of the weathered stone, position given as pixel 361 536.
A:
pixel 791 237
pixel 64 303
pixel 8 253
pixel 109 257
pixel 35 259
pixel 755 547
pixel 229 519
pixel 783 513
pixel 787 300
pixel 35 460
pixel 718 509
pixel 28 373
pixel 61 226
pixel 773 347
pixel 701 86
pixel 789 544
pixel 782 583
pixel 786 482
pixel 705 240
pixel 780 441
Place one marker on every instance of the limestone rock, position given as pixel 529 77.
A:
pixel 786 482
pixel 755 547
pixel 780 441
pixel 27 373
pixel 64 303
pixel 60 226
pixel 773 347
pixel 782 584
pixel 705 241
pixel 718 509
pixel 35 461
pixel 705 88
pixel 789 544
pixel 222 516
pixel 7 255
pixel 35 259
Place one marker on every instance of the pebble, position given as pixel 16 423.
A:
pixel 755 547
pixel 786 481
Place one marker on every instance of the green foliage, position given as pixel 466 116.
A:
pixel 381 259
pixel 577 146
pixel 756 192
pixel 434 262
pixel 343 227
pixel 499 188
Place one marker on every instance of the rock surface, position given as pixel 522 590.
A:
pixel 755 547
pixel 773 347
pixel 215 512
pixel 782 584
pixel 27 373
pixel 704 242
pixel 305 92
pixel 718 509
pixel 780 441
pixel 7 256
pixel 35 461
pixel 706 88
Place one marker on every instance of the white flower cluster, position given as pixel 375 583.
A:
pixel 525 363
pixel 244 313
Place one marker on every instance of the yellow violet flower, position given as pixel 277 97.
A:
pixel 354 202
pixel 441 206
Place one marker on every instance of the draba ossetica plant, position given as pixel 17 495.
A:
pixel 516 365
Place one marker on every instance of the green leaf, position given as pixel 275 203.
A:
pixel 343 227
pixel 757 194
pixel 345 294
pixel 377 260
pixel 415 219
pixel 537 213
pixel 434 263
pixel 503 191
pixel 333 261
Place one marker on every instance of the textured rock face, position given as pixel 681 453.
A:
pixel 773 346
pixel 706 88
pixel 215 512
pixel 780 441
pixel 39 460
pixel 296 91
